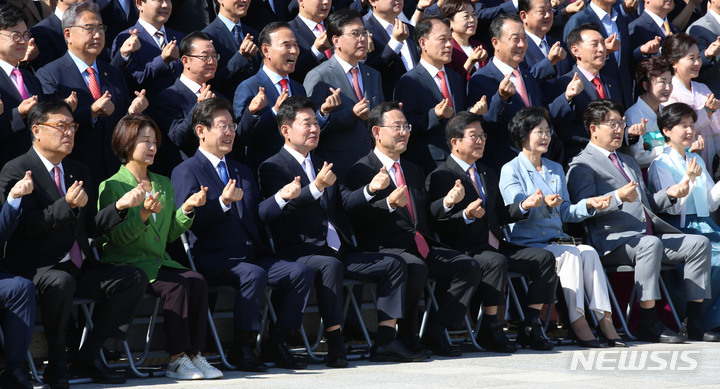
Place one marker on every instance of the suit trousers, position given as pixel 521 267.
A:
pixel 292 282
pixel 581 273
pixel 17 315
pixel 648 252
pixel 539 266
pixel 185 308
pixel 118 289
pixel 385 270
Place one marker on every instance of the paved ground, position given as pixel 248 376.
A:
pixel 694 364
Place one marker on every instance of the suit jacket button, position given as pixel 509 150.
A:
pixel 642 219
pixel 159 260
pixel 543 233
pixel 157 239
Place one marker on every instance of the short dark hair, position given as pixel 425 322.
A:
pixel 575 36
pixel 39 112
pixel 10 15
pixel 524 5
pixel 450 8
pixel 597 111
pixel 456 125
pixel 186 43
pixel 376 114
pixel 126 133
pixel 497 24
pixel 651 67
pixel 72 14
pixel 425 25
pixel 524 121
pixel 264 36
pixel 677 45
pixel 338 20
pixel 671 115
pixel 289 109
pixel 204 110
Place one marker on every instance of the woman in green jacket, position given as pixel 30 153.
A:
pixel 140 241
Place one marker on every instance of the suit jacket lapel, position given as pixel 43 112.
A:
pixel 588 86
pixel 337 73
pixel 376 165
pixel 7 84
pixel 427 79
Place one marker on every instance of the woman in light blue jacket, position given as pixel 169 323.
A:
pixel 578 265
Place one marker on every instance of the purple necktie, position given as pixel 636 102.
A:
pixel 648 222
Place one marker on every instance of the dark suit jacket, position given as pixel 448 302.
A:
pixel 9 218
pixel 233 67
pixel 300 228
pixel 218 233
pixel 48 227
pixel 345 138
pixel 644 29
pixel 306 59
pixel 486 11
pixel 146 69
pixel 49 40
pixel 192 15
pixel 117 21
pixel 419 94
pixel 15 137
pixel 384 59
pixel 569 122
pixel 375 226
pixel 259 134
pixel 540 66
pixel 260 13
pixel 92 141
pixel 451 227
pixel 618 71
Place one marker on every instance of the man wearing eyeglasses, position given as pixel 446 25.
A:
pixel 387 204
pixel 102 95
pixel 50 245
pixel 473 226
pixel 628 232
pixel 48 35
pixel 174 110
pixel 346 138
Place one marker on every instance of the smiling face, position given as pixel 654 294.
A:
pixel 511 45
pixel 464 23
pixel 49 141
pixel 83 44
pixel 196 68
pixel 389 138
pixel 660 87
pixel 234 9
pixel 539 18
pixel 155 12
pixel 281 54
pixel 590 51
pixel 10 51
pixel 303 134
pixel 315 10
pixel 145 147
pixel 682 135
pixel 437 46
pixel 538 139
pixel 471 146
pixel 688 66
pixel 214 139
pixel 604 135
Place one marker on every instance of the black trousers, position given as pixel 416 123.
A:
pixel 386 270
pixel 118 289
pixel 17 315
pixel 185 308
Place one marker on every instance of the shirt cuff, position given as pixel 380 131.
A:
pixel 366 192
pixel 280 201
pixel 395 45
pixel 13 202
pixel 524 211
pixel 224 207
pixel 318 55
pixel 316 193
pixel 467 221
pixel 617 198
pixel 390 208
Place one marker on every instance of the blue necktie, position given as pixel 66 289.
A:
pixel 223 172
pixel 236 33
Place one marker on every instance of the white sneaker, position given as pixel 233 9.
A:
pixel 184 369
pixel 207 369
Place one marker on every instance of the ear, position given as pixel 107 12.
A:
pixel 375 132
pixel 284 131
pixel 138 4
pixel 200 131
pixel 454 142
pixel 523 15
pixel 66 34
pixel 421 42
pixel 575 51
pixel 335 40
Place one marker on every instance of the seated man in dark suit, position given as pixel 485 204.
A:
pixel 629 233
pixel 386 201
pixel 101 91
pixel 48 35
pixel 258 98
pixel 345 137
pixel 312 228
pixel 242 259
pixel 473 226
pixel 313 39
pixel 395 52
pixel 431 93
pixel 588 47
pixel 174 110
pixel 61 213
pixel 147 53
pixel 17 298
pixel 546 57
pixel 233 40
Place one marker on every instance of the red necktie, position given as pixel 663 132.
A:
pixel 93 84
pixel 284 85
pixel 520 87
pixel 356 83
pixel 328 52
pixel 75 252
pixel 420 242
pixel 599 87
pixel 444 88
pixel 648 222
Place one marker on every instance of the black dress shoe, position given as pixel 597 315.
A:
pixel 414 345
pixel 18 379
pixel 394 351
pixel 244 359
pixel 696 332
pixel 336 357
pixel 610 342
pixel 492 338
pixel 56 379
pixel 658 333
pixel 440 346
pixel 532 335
pixel 99 372
pixel 336 361
pixel 281 356
pixel 591 343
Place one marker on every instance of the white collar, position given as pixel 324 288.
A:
pixel 604 152
pixel 431 68
pixel 504 68
pixel 213 159
pixel 296 155
pixel 601 12
pixel 190 84
pixel 151 29
pixel 384 159
pixel 49 165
